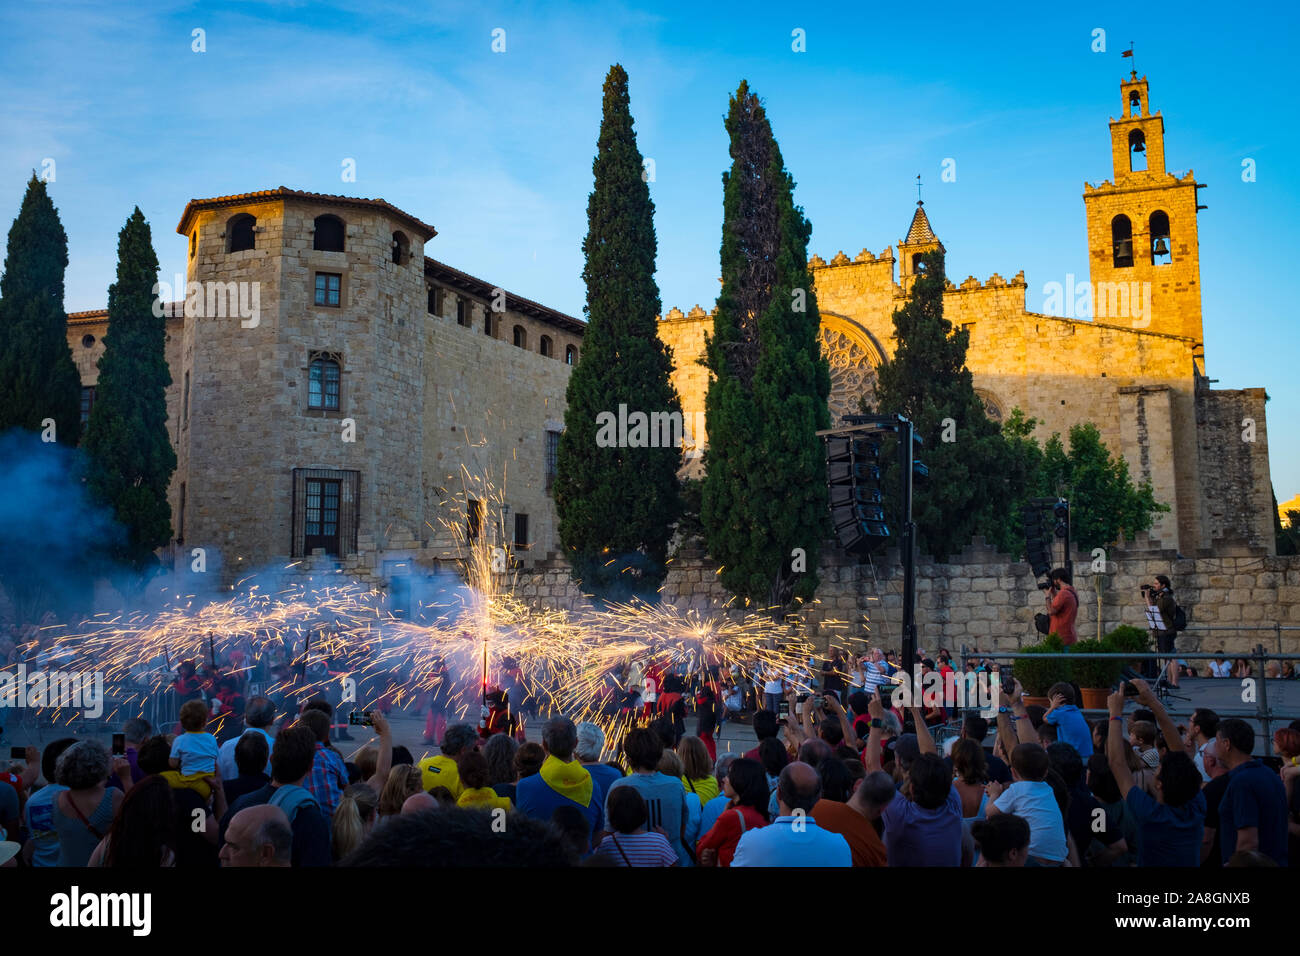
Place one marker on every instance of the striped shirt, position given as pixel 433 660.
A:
pixel 873 675
pixel 637 849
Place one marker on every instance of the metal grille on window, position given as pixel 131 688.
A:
pixel 87 402
pixel 325 509
pixel 552 458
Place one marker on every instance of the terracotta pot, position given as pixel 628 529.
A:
pixel 1035 701
pixel 1094 698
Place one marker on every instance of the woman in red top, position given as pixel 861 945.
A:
pixel 746 786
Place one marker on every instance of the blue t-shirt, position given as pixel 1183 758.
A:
pixel 712 811
pixel 1036 802
pixel 40 824
pixel 665 799
pixel 1072 729
pixel 536 798
pixel 1256 797
pixel 197 752
pixel 792 841
pixel 915 836
pixel 602 778
pixel 1167 836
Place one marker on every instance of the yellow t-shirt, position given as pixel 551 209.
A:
pixel 483 798
pixel 706 787
pixel 440 771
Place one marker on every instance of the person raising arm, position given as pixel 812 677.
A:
pixel 1014 725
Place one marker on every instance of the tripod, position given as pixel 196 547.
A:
pixel 1164 690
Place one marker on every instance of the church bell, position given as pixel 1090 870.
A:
pixel 1161 248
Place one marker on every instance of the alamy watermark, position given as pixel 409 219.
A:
pixel 1099 300
pixel 61 690
pixel 626 429
pixel 980 691
pixel 213 300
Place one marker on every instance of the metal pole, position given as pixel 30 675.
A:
pixel 909 549
pixel 1261 701
pixel 1069 561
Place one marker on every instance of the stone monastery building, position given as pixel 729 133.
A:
pixel 383 404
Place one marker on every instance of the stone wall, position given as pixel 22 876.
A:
pixel 983 599
pixel 1237 499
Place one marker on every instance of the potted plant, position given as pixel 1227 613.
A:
pixel 1095 676
pixel 1036 676
pixel 1127 639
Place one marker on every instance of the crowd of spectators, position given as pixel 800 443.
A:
pixel 858 783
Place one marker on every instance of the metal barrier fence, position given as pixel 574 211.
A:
pixel 1259 659
pixel 1204 632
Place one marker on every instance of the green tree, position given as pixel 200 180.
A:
pixel 38 379
pixel 1104 502
pixel 971 475
pixel 129 455
pixel 764 500
pixel 617 505
pixel 1023 468
pixel 1287 534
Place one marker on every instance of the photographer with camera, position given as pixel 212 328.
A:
pixel 1159 594
pixel 1062 605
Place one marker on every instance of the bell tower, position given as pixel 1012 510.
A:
pixel 920 239
pixel 1143 251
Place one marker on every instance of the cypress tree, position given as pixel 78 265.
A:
pixel 38 379
pixel 764 500
pixel 129 456
pixel 617 505
pixel 969 490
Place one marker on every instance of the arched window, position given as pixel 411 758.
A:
pixel 546 346
pixel 401 248
pixel 239 233
pixel 1161 253
pixel 1137 151
pixel 323 383
pixel 521 337
pixel 194 243
pixel 918 264
pixel 570 355
pixel 329 234
pixel 1121 237
pixel 1134 103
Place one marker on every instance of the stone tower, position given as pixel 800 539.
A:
pixel 287 413
pixel 1142 239
pixel 920 239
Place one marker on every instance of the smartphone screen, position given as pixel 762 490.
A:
pixel 783 709
pixel 119 745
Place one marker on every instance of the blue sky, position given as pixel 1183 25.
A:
pixel 495 149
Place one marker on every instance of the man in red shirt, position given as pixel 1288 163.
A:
pixel 1062 606
pixel 853 820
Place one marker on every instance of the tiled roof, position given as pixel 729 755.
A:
pixel 284 192
pixel 920 230
pixel 449 276
pixel 175 310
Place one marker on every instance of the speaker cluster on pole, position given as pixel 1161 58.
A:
pixel 857 510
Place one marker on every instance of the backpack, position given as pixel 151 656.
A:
pixel 291 798
pixel 1180 618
